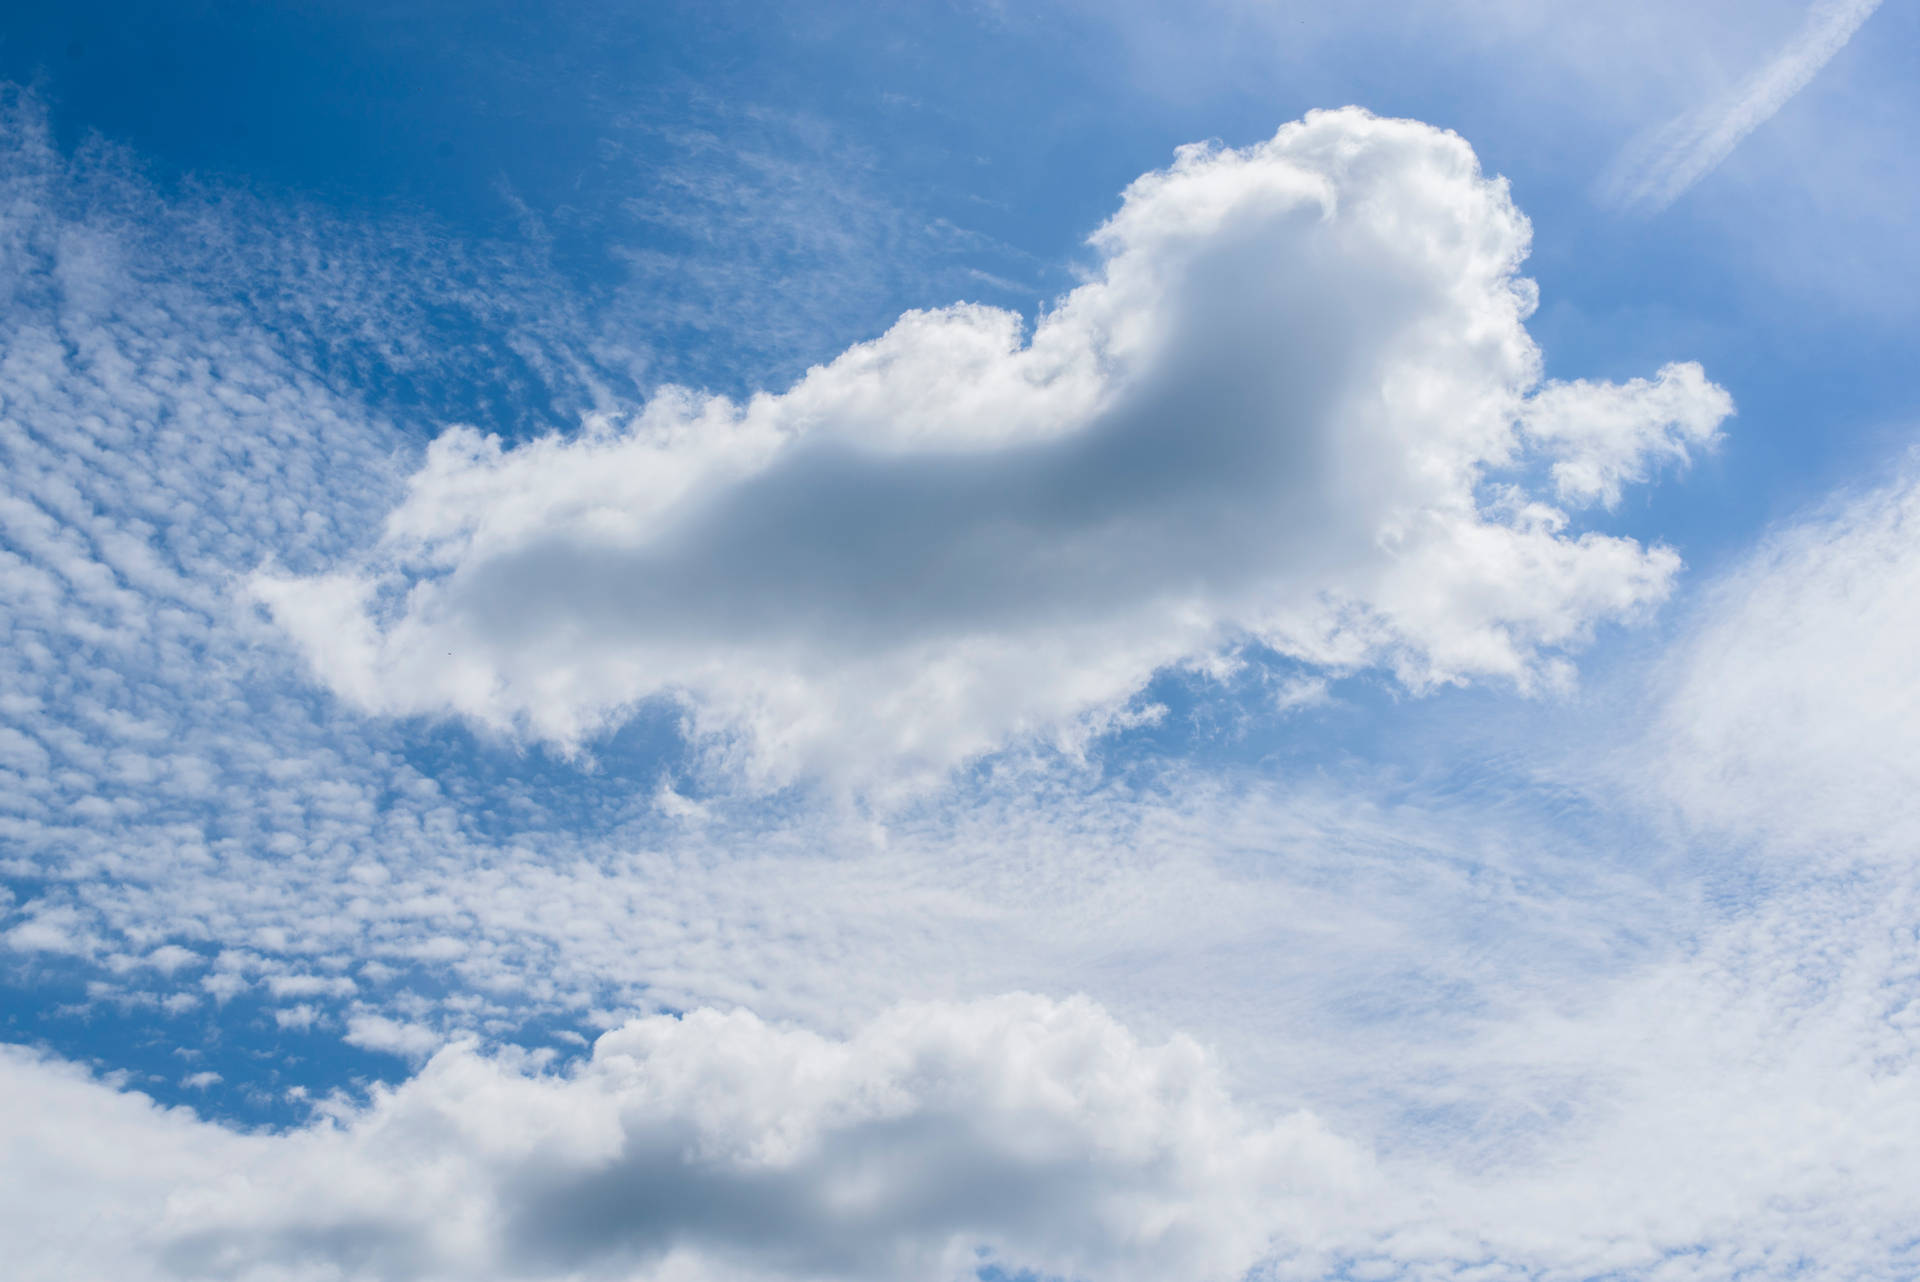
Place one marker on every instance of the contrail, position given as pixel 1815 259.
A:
pixel 1651 173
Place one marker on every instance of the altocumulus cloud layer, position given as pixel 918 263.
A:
pixel 1435 1054
pixel 1295 406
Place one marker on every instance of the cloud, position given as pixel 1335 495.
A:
pixel 377 1032
pixel 1021 1133
pixel 1739 1109
pixel 1653 172
pixel 1269 417
pixel 1606 435
pixel 52 929
pixel 1567 1055
pixel 1790 715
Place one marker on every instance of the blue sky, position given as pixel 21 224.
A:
pixel 948 640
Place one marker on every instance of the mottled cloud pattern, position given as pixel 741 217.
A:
pixel 1622 991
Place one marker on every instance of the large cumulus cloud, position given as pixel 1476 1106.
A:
pixel 1292 406
pixel 1019 1132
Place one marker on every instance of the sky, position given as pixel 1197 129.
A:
pixel 958 641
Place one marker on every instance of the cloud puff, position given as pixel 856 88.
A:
pixel 1018 1132
pixel 1274 414
pixel 1606 435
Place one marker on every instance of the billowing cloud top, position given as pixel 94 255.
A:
pixel 1278 413
pixel 941 1139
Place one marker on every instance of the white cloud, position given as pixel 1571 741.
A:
pixel 1791 712
pixel 1737 1110
pixel 310 985
pixel 50 929
pixel 1030 1134
pixel 85 1169
pixel 301 1016
pixel 169 959
pixel 378 1033
pixel 1605 436
pixel 1266 416
pixel 1654 171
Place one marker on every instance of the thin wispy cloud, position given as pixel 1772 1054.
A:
pixel 1655 170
